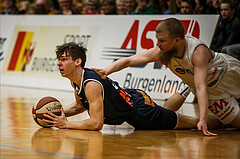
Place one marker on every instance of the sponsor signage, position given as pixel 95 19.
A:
pixel 30 50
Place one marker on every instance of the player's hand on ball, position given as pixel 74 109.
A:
pixel 56 121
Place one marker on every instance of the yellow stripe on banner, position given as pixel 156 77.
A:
pixel 25 46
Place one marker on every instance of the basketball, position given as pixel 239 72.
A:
pixel 45 104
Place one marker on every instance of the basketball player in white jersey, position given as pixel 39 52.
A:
pixel 214 78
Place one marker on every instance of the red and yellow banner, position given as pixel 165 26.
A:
pixel 22 51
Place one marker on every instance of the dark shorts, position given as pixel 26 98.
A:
pixel 147 115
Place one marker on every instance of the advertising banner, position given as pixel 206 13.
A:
pixel 28 46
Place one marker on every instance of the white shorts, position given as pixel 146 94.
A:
pixel 230 82
pixel 225 109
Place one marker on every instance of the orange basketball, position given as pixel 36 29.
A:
pixel 45 104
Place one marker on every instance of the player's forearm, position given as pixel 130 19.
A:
pixel 174 102
pixel 117 66
pixel 73 109
pixel 88 124
pixel 203 104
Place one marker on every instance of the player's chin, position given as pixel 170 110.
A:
pixel 63 75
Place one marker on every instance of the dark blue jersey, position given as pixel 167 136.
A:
pixel 130 105
pixel 116 109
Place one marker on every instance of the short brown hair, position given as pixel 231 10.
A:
pixel 74 50
pixel 173 26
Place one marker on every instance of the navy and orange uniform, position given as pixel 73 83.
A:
pixel 131 105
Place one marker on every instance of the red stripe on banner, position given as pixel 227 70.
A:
pixel 16 50
pixel 186 24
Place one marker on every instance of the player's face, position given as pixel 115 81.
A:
pixel 164 42
pixel 66 65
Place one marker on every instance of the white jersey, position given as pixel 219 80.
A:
pixel 223 79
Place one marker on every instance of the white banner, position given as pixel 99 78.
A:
pixel 28 43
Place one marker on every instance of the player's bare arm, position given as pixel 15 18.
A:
pixel 151 55
pixel 174 102
pixel 200 60
pixel 93 91
pixel 75 108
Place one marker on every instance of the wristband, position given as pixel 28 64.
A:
pixel 184 91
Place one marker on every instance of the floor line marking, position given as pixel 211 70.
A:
pixel 48 153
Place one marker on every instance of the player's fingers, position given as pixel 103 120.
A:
pixel 101 72
pixel 199 127
pixel 212 134
pixel 208 133
pixel 62 110
pixel 49 116
pixel 97 69
pixel 205 133
pixel 50 125
pixel 48 121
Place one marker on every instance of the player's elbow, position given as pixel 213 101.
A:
pixel 98 125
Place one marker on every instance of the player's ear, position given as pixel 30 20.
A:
pixel 177 39
pixel 78 61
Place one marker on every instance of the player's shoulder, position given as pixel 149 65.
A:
pixel 92 81
pixel 92 75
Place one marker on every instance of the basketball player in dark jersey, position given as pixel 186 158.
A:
pixel 108 103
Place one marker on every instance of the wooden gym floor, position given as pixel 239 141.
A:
pixel 21 138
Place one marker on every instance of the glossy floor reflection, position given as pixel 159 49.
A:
pixel 21 138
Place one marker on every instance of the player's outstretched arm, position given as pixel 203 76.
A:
pixel 151 55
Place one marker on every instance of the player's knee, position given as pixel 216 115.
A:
pixel 236 122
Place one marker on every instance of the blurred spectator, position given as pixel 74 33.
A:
pixel 121 8
pixel 42 7
pixel 91 7
pixel 213 7
pixel 230 28
pixel 217 33
pixel 188 6
pixel 237 8
pixel 178 6
pixel 144 7
pixel 68 8
pixel 130 6
pixel 9 7
pixel 201 7
pixel 25 7
pixel 108 7
pixel 163 7
pixel 216 5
